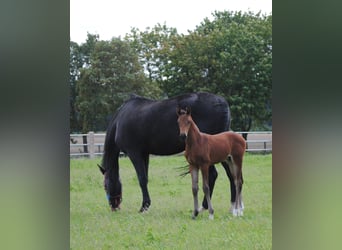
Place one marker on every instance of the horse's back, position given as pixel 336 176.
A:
pixel 151 126
pixel 210 112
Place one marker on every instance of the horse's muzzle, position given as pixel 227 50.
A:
pixel 115 203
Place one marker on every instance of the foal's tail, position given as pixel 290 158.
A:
pixel 184 170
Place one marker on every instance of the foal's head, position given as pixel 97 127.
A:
pixel 184 121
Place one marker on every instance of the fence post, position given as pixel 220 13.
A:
pixel 91 143
pixel 264 147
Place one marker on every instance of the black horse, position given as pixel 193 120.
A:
pixel 142 127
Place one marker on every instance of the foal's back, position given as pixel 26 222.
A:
pixel 223 144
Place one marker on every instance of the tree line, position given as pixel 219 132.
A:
pixel 230 55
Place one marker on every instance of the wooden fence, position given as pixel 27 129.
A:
pixel 91 144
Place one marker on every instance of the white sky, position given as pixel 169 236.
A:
pixel 113 18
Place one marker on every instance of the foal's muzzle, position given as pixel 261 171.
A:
pixel 182 137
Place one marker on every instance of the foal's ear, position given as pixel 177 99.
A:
pixel 101 169
pixel 178 111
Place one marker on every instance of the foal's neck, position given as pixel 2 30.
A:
pixel 194 134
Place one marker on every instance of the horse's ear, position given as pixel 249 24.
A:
pixel 101 169
pixel 188 110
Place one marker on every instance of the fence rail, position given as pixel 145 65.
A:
pixel 91 144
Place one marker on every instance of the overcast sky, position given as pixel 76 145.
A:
pixel 113 18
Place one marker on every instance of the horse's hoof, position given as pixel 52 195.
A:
pixel 143 209
pixel 211 216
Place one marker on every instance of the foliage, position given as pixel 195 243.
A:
pixel 152 47
pixel 168 224
pixel 79 58
pixel 230 55
pixel 112 75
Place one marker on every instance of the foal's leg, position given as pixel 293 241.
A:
pixel 239 183
pixel 236 162
pixel 206 190
pixel 194 178
pixel 212 178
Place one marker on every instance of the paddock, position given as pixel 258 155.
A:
pixel 167 225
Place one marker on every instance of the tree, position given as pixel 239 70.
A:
pixel 79 59
pixel 74 67
pixel 113 73
pixel 152 47
pixel 230 56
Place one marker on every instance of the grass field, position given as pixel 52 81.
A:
pixel 168 223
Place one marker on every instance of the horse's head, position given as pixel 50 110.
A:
pixel 113 190
pixel 184 121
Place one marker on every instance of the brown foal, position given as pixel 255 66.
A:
pixel 203 150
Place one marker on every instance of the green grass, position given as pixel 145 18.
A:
pixel 168 223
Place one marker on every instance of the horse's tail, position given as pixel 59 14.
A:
pixel 223 109
pixel 111 150
pixel 226 113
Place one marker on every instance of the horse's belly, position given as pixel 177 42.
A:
pixel 165 150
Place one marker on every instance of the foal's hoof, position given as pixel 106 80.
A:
pixel 237 212
pixel 194 215
pixel 202 209
pixel 211 216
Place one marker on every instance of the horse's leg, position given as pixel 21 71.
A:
pixel 194 178
pixel 139 162
pixel 232 184
pixel 212 178
pixel 146 201
pixel 206 190
pixel 147 160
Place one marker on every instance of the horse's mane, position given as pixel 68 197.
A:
pixel 131 97
pixel 134 96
